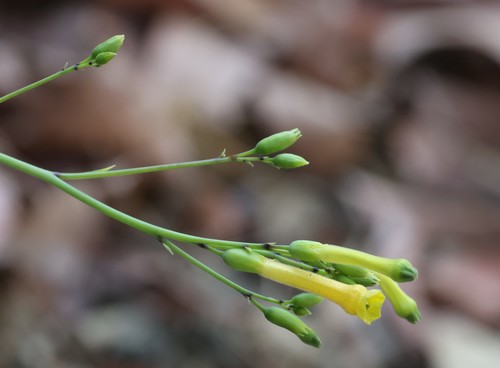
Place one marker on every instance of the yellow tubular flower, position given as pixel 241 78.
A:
pixel 354 299
pixel 400 270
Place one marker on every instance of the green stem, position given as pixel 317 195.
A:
pixel 104 173
pixel 247 293
pixel 58 74
pixel 51 178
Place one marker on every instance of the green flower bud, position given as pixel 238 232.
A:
pixel 292 323
pixel 104 58
pixel 369 280
pixel 288 161
pixel 112 44
pixel 305 250
pixel 277 142
pixel 306 300
pixel 243 260
pixel 344 279
pixel 301 311
pixel 403 305
pixel 352 270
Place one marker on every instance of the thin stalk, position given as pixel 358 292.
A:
pixel 245 292
pixel 145 227
pixel 105 173
pixel 31 86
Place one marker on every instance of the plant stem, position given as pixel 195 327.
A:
pixel 245 292
pixel 104 173
pixel 58 74
pixel 145 227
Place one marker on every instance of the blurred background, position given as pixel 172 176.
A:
pixel 399 105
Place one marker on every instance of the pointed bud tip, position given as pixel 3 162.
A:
pixel 311 339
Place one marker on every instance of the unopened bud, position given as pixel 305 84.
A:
pixel 369 280
pixel 112 44
pixel 403 305
pixel 305 250
pixel 288 161
pixel 292 323
pixel 277 142
pixel 104 58
pixel 243 260
pixel 306 300
pixel 301 311
pixel 351 270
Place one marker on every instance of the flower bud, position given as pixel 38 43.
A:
pixel 352 270
pixel 288 161
pixel 292 323
pixel 112 44
pixel 305 250
pixel 369 280
pixel 104 58
pixel 403 305
pixel 344 279
pixel 301 311
pixel 400 270
pixel 306 300
pixel 277 142
pixel 243 260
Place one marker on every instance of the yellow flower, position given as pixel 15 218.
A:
pixel 400 270
pixel 354 299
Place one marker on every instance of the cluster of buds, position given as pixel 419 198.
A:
pixel 105 51
pixel 338 274
pixel 276 143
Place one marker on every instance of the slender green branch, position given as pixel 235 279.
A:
pixel 157 231
pixel 247 293
pixel 31 86
pixel 104 173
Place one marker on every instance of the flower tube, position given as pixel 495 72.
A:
pixel 354 299
pixel 400 270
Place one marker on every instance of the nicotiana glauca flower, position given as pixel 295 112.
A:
pixel 277 142
pixel 292 323
pixel 400 270
pixel 403 305
pixel 354 299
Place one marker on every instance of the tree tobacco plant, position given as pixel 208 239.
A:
pixel 347 277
